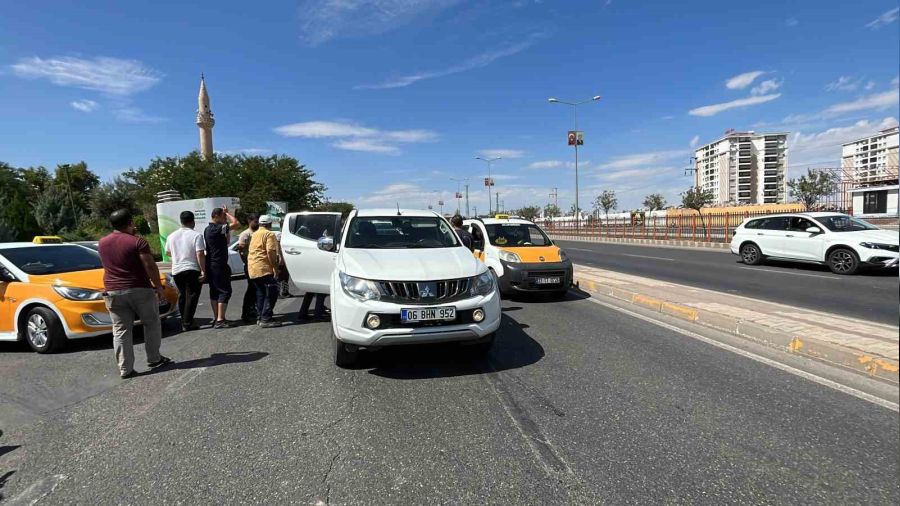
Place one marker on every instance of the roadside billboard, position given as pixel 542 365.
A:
pixel 169 215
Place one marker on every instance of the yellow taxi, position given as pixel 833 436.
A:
pixel 521 256
pixel 51 291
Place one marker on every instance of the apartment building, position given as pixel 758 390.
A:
pixel 869 173
pixel 744 168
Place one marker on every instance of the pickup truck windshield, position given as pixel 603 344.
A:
pixel 517 235
pixel 399 232
pixel 39 260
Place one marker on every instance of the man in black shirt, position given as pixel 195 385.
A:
pixel 463 234
pixel 218 236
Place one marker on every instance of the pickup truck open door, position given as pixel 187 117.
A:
pixel 309 267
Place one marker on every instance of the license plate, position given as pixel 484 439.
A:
pixel 547 281
pixel 425 314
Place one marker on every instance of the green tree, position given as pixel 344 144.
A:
pixel 606 201
pixel 336 207
pixel 15 208
pixel 697 198
pixel 37 179
pixel 552 211
pixel 529 212
pixel 79 179
pixel 654 202
pixel 53 212
pixel 809 188
pixel 116 194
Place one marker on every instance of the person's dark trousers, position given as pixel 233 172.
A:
pixel 189 287
pixel 320 305
pixel 248 310
pixel 266 295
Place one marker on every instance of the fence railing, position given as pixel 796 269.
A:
pixel 716 227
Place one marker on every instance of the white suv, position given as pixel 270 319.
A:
pixel 841 242
pixel 394 276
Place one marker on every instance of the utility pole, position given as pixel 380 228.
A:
pixel 497 207
pixel 555 196
pixel 475 208
pixel 467 201
pixel 69 188
pixel 575 143
pixel 488 181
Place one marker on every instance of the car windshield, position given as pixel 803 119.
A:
pixel 398 232
pixel 517 234
pixel 52 259
pixel 843 223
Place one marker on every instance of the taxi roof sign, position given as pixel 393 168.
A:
pixel 47 239
pixel 501 216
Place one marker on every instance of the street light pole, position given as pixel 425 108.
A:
pixel 467 202
pixel 575 117
pixel 458 195
pixel 489 180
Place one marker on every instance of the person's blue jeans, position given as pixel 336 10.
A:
pixel 266 295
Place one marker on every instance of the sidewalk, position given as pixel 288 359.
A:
pixel 860 345
pixel 668 243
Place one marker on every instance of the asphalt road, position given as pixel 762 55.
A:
pixel 577 404
pixel 870 295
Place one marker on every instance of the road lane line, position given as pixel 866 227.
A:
pixel 585 250
pixel 38 490
pixel 789 272
pixel 646 256
pixel 859 394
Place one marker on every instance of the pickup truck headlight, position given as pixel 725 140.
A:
pixel 483 284
pixel 359 289
pixel 878 245
pixel 71 293
pixel 509 256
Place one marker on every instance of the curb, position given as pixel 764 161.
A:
pixel 675 243
pixel 874 366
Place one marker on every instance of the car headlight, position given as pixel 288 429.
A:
pixel 509 256
pixel 562 255
pixel 71 293
pixel 483 284
pixel 359 289
pixel 878 245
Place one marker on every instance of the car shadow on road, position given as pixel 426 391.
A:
pixel 513 348
pixel 574 294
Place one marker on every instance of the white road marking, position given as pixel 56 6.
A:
pixel 859 394
pixel 789 272
pixel 38 490
pixel 585 250
pixel 646 256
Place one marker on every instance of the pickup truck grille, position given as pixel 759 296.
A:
pixel 424 292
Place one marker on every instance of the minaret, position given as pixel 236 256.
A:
pixel 205 121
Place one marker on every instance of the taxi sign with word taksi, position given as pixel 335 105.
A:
pixel 576 138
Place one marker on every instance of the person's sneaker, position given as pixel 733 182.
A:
pixel 223 324
pixel 127 375
pixel 159 363
pixel 269 324
pixel 188 328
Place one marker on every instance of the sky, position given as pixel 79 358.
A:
pixel 389 101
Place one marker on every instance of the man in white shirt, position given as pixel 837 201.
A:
pixel 187 249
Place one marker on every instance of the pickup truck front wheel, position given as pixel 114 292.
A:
pixel 342 356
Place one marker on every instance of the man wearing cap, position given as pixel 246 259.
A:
pixel 262 260
pixel 248 309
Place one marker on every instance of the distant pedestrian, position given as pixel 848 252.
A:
pixel 248 308
pixel 262 262
pixel 132 291
pixel 218 237
pixel 463 234
pixel 187 249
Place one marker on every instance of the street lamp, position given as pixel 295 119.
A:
pixel 458 195
pixel 575 116
pixel 489 180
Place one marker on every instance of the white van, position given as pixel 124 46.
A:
pixel 394 277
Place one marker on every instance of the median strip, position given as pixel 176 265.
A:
pixel 864 347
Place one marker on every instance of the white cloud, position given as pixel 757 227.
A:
pixel 712 110
pixel 695 140
pixel 825 147
pixel 353 137
pixel 895 81
pixel 791 22
pixel 766 87
pixel 405 194
pixel 130 114
pixel 557 164
pixel 502 153
pixel 324 20
pixel 844 83
pixel 481 60
pixel 870 86
pixel 885 19
pixel 875 101
pixel 643 159
pixel 741 81
pixel 108 75
pixel 84 105
pixel 642 174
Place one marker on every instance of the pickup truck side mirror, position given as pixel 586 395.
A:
pixel 325 243
pixel 814 230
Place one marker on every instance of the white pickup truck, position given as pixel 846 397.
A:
pixel 394 277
